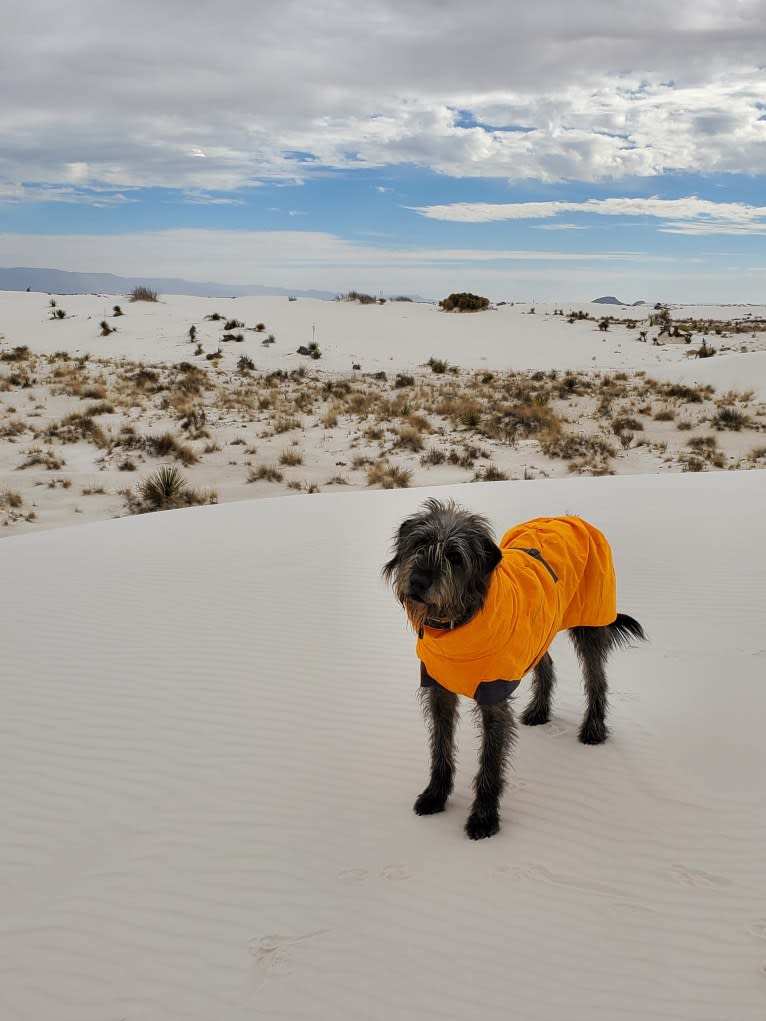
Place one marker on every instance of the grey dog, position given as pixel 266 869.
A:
pixel 470 602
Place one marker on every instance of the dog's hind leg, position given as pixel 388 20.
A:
pixel 440 711
pixel 592 645
pixel 498 732
pixel 543 680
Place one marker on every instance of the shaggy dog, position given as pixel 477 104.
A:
pixel 485 615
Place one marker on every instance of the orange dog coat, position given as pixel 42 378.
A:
pixel 556 573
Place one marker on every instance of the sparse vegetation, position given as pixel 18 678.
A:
pixel 464 301
pixel 142 293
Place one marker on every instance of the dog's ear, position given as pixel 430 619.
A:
pixel 492 554
pixel 401 533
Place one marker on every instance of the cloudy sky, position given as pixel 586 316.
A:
pixel 531 150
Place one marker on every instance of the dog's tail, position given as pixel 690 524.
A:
pixel 623 629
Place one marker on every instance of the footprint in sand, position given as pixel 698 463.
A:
pixel 556 730
pixel 758 928
pixel 353 875
pixel 272 953
pixel 395 872
pixel 626 696
pixel 696 877
pixel 516 785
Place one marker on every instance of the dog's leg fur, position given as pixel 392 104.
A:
pixel 440 711
pixel 498 733
pixel 593 645
pixel 592 648
pixel 543 680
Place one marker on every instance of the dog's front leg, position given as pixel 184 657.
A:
pixel 440 710
pixel 498 732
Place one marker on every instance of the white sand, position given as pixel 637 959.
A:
pixel 211 745
pixel 390 338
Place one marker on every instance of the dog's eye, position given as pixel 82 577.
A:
pixel 453 557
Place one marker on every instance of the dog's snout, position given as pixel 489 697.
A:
pixel 420 582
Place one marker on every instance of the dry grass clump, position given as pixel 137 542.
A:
pixel 77 427
pixel 409 438
pixel 167 445
pixel 491 473
pixel 703 454
pixel 11 508
pixel 730 418
pixel 664 415
pixel 17 354
pixel 433 456
pixel 534 419
pixel 388 476
pixel 12 428
pixel 142 293
pixel 47 459
pixel 265 473
pixel 291 458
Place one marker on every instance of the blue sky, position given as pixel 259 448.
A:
pixel 542 151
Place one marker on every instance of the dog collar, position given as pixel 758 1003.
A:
pixel 445 625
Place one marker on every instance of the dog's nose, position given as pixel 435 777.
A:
pixel 420 582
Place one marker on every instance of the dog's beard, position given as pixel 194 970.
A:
pixel 417 614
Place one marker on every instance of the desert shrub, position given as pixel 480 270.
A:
pixel 730 418
pixel 76 427
pixel 233 324
pixel 142 293
pixel 291 458
pixel 625 422
pixel 433 456
pixel 388 476
pixel 245 363
pixel 464 301
pixel 167 445
pixel 664 415
pixel 106 329
pixel 490 474
pixel 403 379
pixel 576 445
pixel 10 498
pixel 116 310
pixel 286 423
pixel 146 379
pixel 18 354
pixel 58 313
pixel 409 438
pixel 12 427
pixel 265 473
pixel 166 489
pixel 438 365
pixel 363 299
pixel 47 459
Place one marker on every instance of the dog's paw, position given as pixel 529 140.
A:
pixel 593 732
pixel 532 717
pixel 430 802
pixel 482 824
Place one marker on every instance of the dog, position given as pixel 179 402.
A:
pixel 485 615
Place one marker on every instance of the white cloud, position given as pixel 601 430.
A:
pixel 689 215
pixel 186 96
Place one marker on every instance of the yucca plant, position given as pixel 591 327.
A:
pixel 164 488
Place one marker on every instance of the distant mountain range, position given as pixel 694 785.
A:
pixel 59 281
pixel 608 299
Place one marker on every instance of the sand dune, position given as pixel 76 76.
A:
pixel 519 394
pixel 211 745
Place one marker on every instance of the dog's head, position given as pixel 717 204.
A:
pixel 443 561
